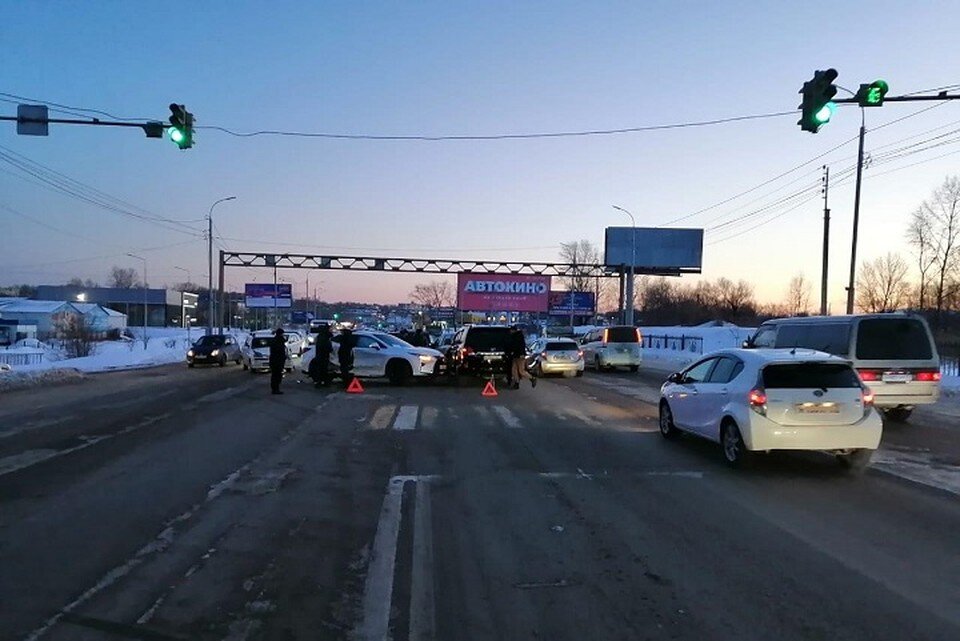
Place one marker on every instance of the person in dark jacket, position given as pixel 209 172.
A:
pixel 320 365
pixel 345 354
pixel 518 354
pixel 419 338
pixel 278 360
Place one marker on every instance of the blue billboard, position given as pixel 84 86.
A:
pixel 572 303
pixel 268 295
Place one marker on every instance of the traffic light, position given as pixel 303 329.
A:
pixel 181 126
pixel 817 106
pixel 336 316
pixel 872 95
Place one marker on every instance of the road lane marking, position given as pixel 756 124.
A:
pixel 509 418
pixel 428 417
pixel 381 418
pixel 584 476
pixel 406 417
pixel 46 422
pixel 422 604
pixel 378 591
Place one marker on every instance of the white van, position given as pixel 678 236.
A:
pixel 894 353
pixel 609 347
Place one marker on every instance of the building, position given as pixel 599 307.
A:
pixel 49 316
pixel 101 320
pixel 164 306
pixel 13 330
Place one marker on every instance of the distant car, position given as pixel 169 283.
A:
pixel 255 353
pixel 555 356
pixel 378 354
pixel 479 350
pixel 214 349
pixel 610 347
pixel 894 353
pixel 296 342
pixel 751 400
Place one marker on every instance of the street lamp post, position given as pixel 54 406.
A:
pixel 144 296
pixel 210 261
pixel 184 312
pixel 628 315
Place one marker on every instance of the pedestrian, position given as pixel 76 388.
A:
pixel 518 355
pixel 419 339
pixel 320 365
pixel 345 354
pixel 278 360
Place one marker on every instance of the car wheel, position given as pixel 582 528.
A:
pixel 898 414
pixel 735 451
pixel 190 365
pixel 596 363
pixel 399 372
pixel 579 373
pixel 634 368
pixel 856 461
pixel 667 428
pixel 245 368
pixel 223 361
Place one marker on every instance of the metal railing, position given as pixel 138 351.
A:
pixel 677 343
pixel 20 358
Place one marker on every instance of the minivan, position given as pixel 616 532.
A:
pixel 609 347
pixel 894 353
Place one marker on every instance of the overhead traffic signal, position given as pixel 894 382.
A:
pixel 817 106
pixel 181 126
pixel 871 95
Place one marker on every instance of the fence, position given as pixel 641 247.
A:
pixel 949 366
pixel 691 344
pixel 22 357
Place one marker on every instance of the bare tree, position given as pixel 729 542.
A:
pixel 76 281
pixel 78 337
pixel 435 294
pixel 920 235
pixel 736 299
pixel 882 284
pixel 580 252
pixel 798 295
pixel 123 277
pixel 940 215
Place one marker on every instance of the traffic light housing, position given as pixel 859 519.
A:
pixel 872 95
pixel 817 107
pixel 181 126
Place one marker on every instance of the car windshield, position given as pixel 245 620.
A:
pixel 809 376
pixel 260 341
pixel 209 341
pixel 892 339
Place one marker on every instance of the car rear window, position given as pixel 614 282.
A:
pixel 622 335
pixel 488 339
pixel 832 338
pixel 893 339
pixel 809 376
pixel 561 346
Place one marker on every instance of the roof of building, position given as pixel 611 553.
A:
pixel 35 306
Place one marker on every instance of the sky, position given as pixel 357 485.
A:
pixel 464 68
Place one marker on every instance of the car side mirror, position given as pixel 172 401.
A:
pixel 676 377
pixel 746 344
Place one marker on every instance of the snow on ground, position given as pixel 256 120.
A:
pixel 670 349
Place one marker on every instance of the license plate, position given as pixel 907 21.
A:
pixel 491 357
pixel 623 350
pixel 818 408
pixel 896 378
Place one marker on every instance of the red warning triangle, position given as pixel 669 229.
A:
pixel 489 389
pixel 355 387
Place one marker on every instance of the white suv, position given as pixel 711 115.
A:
pixel 610 347
pixel 378 354
pixel 772 399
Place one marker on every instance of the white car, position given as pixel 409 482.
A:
pixel 610 347
pixel 296 342
pixel 751 400
pixel 255 353
pixel 378 354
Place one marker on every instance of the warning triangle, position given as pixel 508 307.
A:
pixel 355 387
pixel 489 389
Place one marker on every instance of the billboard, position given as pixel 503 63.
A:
pixel 264 295
pixel 655 250
pixel 502 292
pixel 571 303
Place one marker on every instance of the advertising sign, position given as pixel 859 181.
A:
pixel 653 249
pixel 571 303
pixel 300 317
pixel 502 292
pixel 264 295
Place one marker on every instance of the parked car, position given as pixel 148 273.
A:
pixel 255 352
pixel 214 349
pixel 378 354
pixel 751 400
pixel 296 342
pixel 555 356
pixel 893 353
pixel 479 350
pixel 610 347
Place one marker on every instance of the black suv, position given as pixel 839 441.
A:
pixel 479 350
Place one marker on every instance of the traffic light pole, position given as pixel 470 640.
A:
pixel 856 221
pixel 826 242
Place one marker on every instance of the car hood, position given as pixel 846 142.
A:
pixel 424 351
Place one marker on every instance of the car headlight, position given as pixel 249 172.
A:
pixel 190 353
pixel 426 359
pixel 215 352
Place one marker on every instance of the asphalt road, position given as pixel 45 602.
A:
pixel 176 504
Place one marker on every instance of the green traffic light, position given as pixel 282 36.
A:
pixel 823 116
pixel 878 89
pixel 176 135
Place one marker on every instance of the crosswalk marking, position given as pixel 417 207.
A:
pixel 428 417
pixel 406 417
pixel 381 418
pixel 509 418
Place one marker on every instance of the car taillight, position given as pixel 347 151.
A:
pixel 867 398
pixel 928 377
pixel 868 375
pixel 466 351
pixel 758 401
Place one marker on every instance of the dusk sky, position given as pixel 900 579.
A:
pixel 438 68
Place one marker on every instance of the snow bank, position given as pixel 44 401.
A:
pixel 10 381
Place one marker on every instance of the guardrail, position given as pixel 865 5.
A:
pixel 949 366
pixel 20 358
pixel 681 343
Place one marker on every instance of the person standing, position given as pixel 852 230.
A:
pixel 278 360
pixel 345 354
pixel 419 338
pixel 518 355
pixel 320 365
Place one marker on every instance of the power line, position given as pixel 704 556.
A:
pixel 84 109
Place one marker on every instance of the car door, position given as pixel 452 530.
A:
pixel 682 395
pixel 713 395
pixel 590 347
pixel 369 358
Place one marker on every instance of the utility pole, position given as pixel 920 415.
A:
pixel 144 296
pixel 826 242
pixel 210 263
pixel 856 218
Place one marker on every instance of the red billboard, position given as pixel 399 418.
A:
pixel 502 293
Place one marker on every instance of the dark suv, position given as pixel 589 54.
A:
pixel 479 350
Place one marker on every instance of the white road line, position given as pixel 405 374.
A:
pixel 381 418
pixel 46 422
pixel 508 417
pixel 583 476
pixel 428 417
pixel 406 417
pixel 378 591
pixel 422 616
pixel 584 417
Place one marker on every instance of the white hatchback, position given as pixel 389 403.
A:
pixel 751 400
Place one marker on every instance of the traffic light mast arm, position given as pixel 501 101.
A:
pixel 75 121
pixel 942 96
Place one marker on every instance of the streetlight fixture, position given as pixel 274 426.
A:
pixel 628 313
pixel 144 296
pixel 210 261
